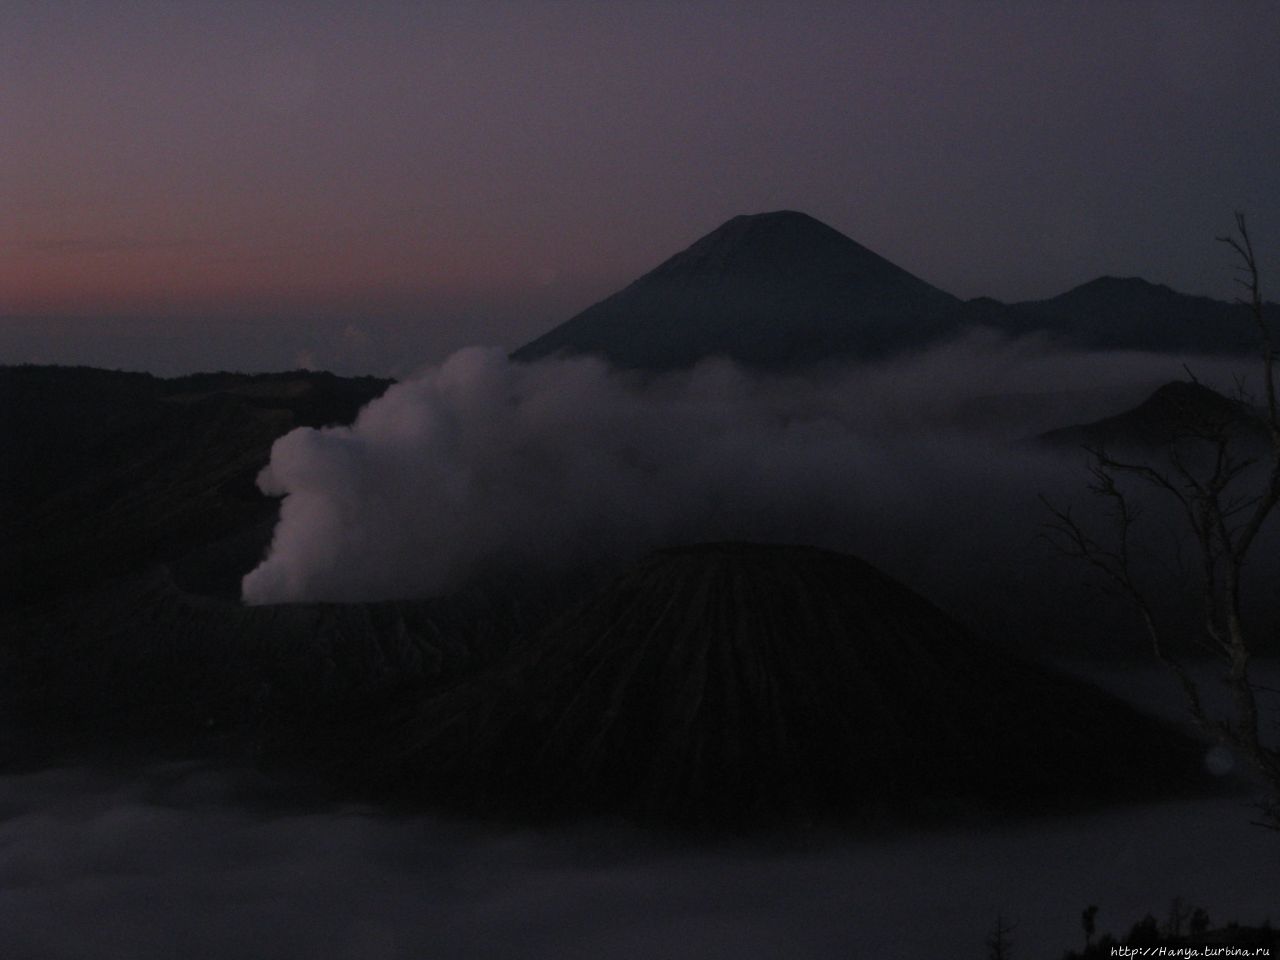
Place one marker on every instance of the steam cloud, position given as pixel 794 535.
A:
pixel 480 463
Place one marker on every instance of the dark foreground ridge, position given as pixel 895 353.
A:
pixel 738 682
pixel 107 473
pixel 129 514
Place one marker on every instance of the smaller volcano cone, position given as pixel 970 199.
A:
pixel 734 682
pixel 1178 411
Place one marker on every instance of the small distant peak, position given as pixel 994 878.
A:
pixel 1126 284
pixel 1109 279
pixel 1189 401
pixel 1175 387
pixel 1183 391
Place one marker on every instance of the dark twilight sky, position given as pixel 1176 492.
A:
pixel 368 186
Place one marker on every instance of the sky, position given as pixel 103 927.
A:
pixel 368 187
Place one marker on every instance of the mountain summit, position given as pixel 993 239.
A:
pixel 770 290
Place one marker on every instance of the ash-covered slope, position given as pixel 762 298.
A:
pixel 732 682
pixel 772 290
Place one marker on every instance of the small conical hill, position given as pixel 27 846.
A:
pixel 731 682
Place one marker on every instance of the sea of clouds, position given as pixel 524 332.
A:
pixel 166 862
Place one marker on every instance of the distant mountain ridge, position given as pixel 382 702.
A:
pixel 1129 313
pixel 781 290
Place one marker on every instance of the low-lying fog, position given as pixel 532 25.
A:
pixel 161 865
pixel 184 860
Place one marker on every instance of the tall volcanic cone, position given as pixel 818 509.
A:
pixel 733 682
pixel 771 290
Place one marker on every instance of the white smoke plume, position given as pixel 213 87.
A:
pixel 481 463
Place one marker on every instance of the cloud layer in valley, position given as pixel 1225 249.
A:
pixel 169 862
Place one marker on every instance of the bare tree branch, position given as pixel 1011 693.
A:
pixel 1205 477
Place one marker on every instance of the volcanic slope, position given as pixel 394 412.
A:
pixel 1180 411
pixel 731 683
pixel 770 290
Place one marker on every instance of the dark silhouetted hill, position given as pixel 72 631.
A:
pixel 739 682
pixel 106 472
pixel 772 290
pixel 1128 313
pixel 1176 412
